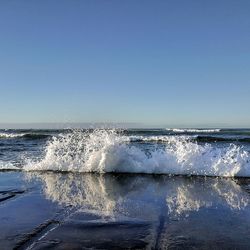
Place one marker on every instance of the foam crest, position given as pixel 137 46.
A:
pixel 105 151
pixel 7 166
pixel 11 135
pixel 178 130
pixel 30 136
pixel 157 138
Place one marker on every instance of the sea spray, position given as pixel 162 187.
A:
pixel 105 151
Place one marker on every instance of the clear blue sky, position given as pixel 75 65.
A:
pixel 167 62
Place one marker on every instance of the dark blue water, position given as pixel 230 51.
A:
pixel 182 148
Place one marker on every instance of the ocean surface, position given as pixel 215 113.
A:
pixel 125 189
pixel 206 152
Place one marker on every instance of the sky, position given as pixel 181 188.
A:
pixel 156 63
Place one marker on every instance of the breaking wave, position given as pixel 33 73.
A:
pixel 7 166
pixel 195 138
pixel 177 130
pixel 23 135
pixel 105 151
pixel 10 135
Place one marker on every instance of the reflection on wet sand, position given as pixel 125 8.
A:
pixel 105 195
pixel 141 195
pixel 185 198
pixel 113 211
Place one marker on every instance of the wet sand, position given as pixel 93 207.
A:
pixel 83 211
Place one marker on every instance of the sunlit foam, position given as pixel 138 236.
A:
pixel 106 151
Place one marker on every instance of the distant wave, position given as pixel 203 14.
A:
pixel 177 130
pixel 222 139
pixel 23 135
pixel 196 138
pixel 10 135
pixel 36 136
pixel 105 151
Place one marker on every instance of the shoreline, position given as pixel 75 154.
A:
pixel 112 211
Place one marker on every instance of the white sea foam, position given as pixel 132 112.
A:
pixel 7 166
pixel 158 138
pixel 178 130
pixel 106 151
pixel 11 135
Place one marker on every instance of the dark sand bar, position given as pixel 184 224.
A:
pixel 82 211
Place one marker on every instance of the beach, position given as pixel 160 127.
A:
pixel 121 211
pixel 125 189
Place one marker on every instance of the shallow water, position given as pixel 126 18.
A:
pixel 112 211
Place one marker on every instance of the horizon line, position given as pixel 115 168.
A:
pixel 131 125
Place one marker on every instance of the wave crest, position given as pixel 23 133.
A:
pixel 105 151
pixel 30 136
pixel 7 166
pixel 10 135
pixel 178 130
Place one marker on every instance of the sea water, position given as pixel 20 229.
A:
pixel 111 189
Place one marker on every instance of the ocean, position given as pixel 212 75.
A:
pixel 205 152
pixel 125 189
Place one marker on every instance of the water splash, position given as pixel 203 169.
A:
pixel 105 151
